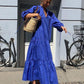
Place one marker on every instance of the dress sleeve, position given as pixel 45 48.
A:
pixel 56 23
pixel 30 10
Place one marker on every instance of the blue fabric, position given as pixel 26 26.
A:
pixel 39 64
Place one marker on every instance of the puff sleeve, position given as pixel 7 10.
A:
pixel 30 10
pixel 56 23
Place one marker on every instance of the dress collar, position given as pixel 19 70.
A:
pixel 43 11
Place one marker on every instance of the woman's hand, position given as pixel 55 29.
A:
pixel 64 29
pixel 38 17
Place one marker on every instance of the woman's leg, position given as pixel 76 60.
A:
pixel 34 82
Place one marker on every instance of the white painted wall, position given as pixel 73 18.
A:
pixel 9 2
pixel 72 3
pixel 8 13
pixel 71 14
pixel 8 20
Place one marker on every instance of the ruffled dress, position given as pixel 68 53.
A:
pixel 39 64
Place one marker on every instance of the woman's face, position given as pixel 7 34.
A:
pixel 46 3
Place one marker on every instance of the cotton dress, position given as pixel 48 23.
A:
pixel 39 64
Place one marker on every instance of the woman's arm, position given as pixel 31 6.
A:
pixel 33 15
pixel 30 13
pixel 57 24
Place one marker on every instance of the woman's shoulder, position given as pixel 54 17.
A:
pixel 34 6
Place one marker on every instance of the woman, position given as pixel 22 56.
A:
pixel 39 64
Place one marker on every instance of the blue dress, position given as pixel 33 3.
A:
pixel 39 64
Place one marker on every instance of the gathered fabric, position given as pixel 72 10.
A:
pixel 39 63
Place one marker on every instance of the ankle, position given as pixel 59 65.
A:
pixel 34 82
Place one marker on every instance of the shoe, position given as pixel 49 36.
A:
pixel 37 82
pixel 30 82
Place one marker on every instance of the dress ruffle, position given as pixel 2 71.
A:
pixel 38 66
pixel 40 70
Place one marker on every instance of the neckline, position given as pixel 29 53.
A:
pixel 43 11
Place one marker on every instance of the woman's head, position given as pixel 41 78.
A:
pixel 45 3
